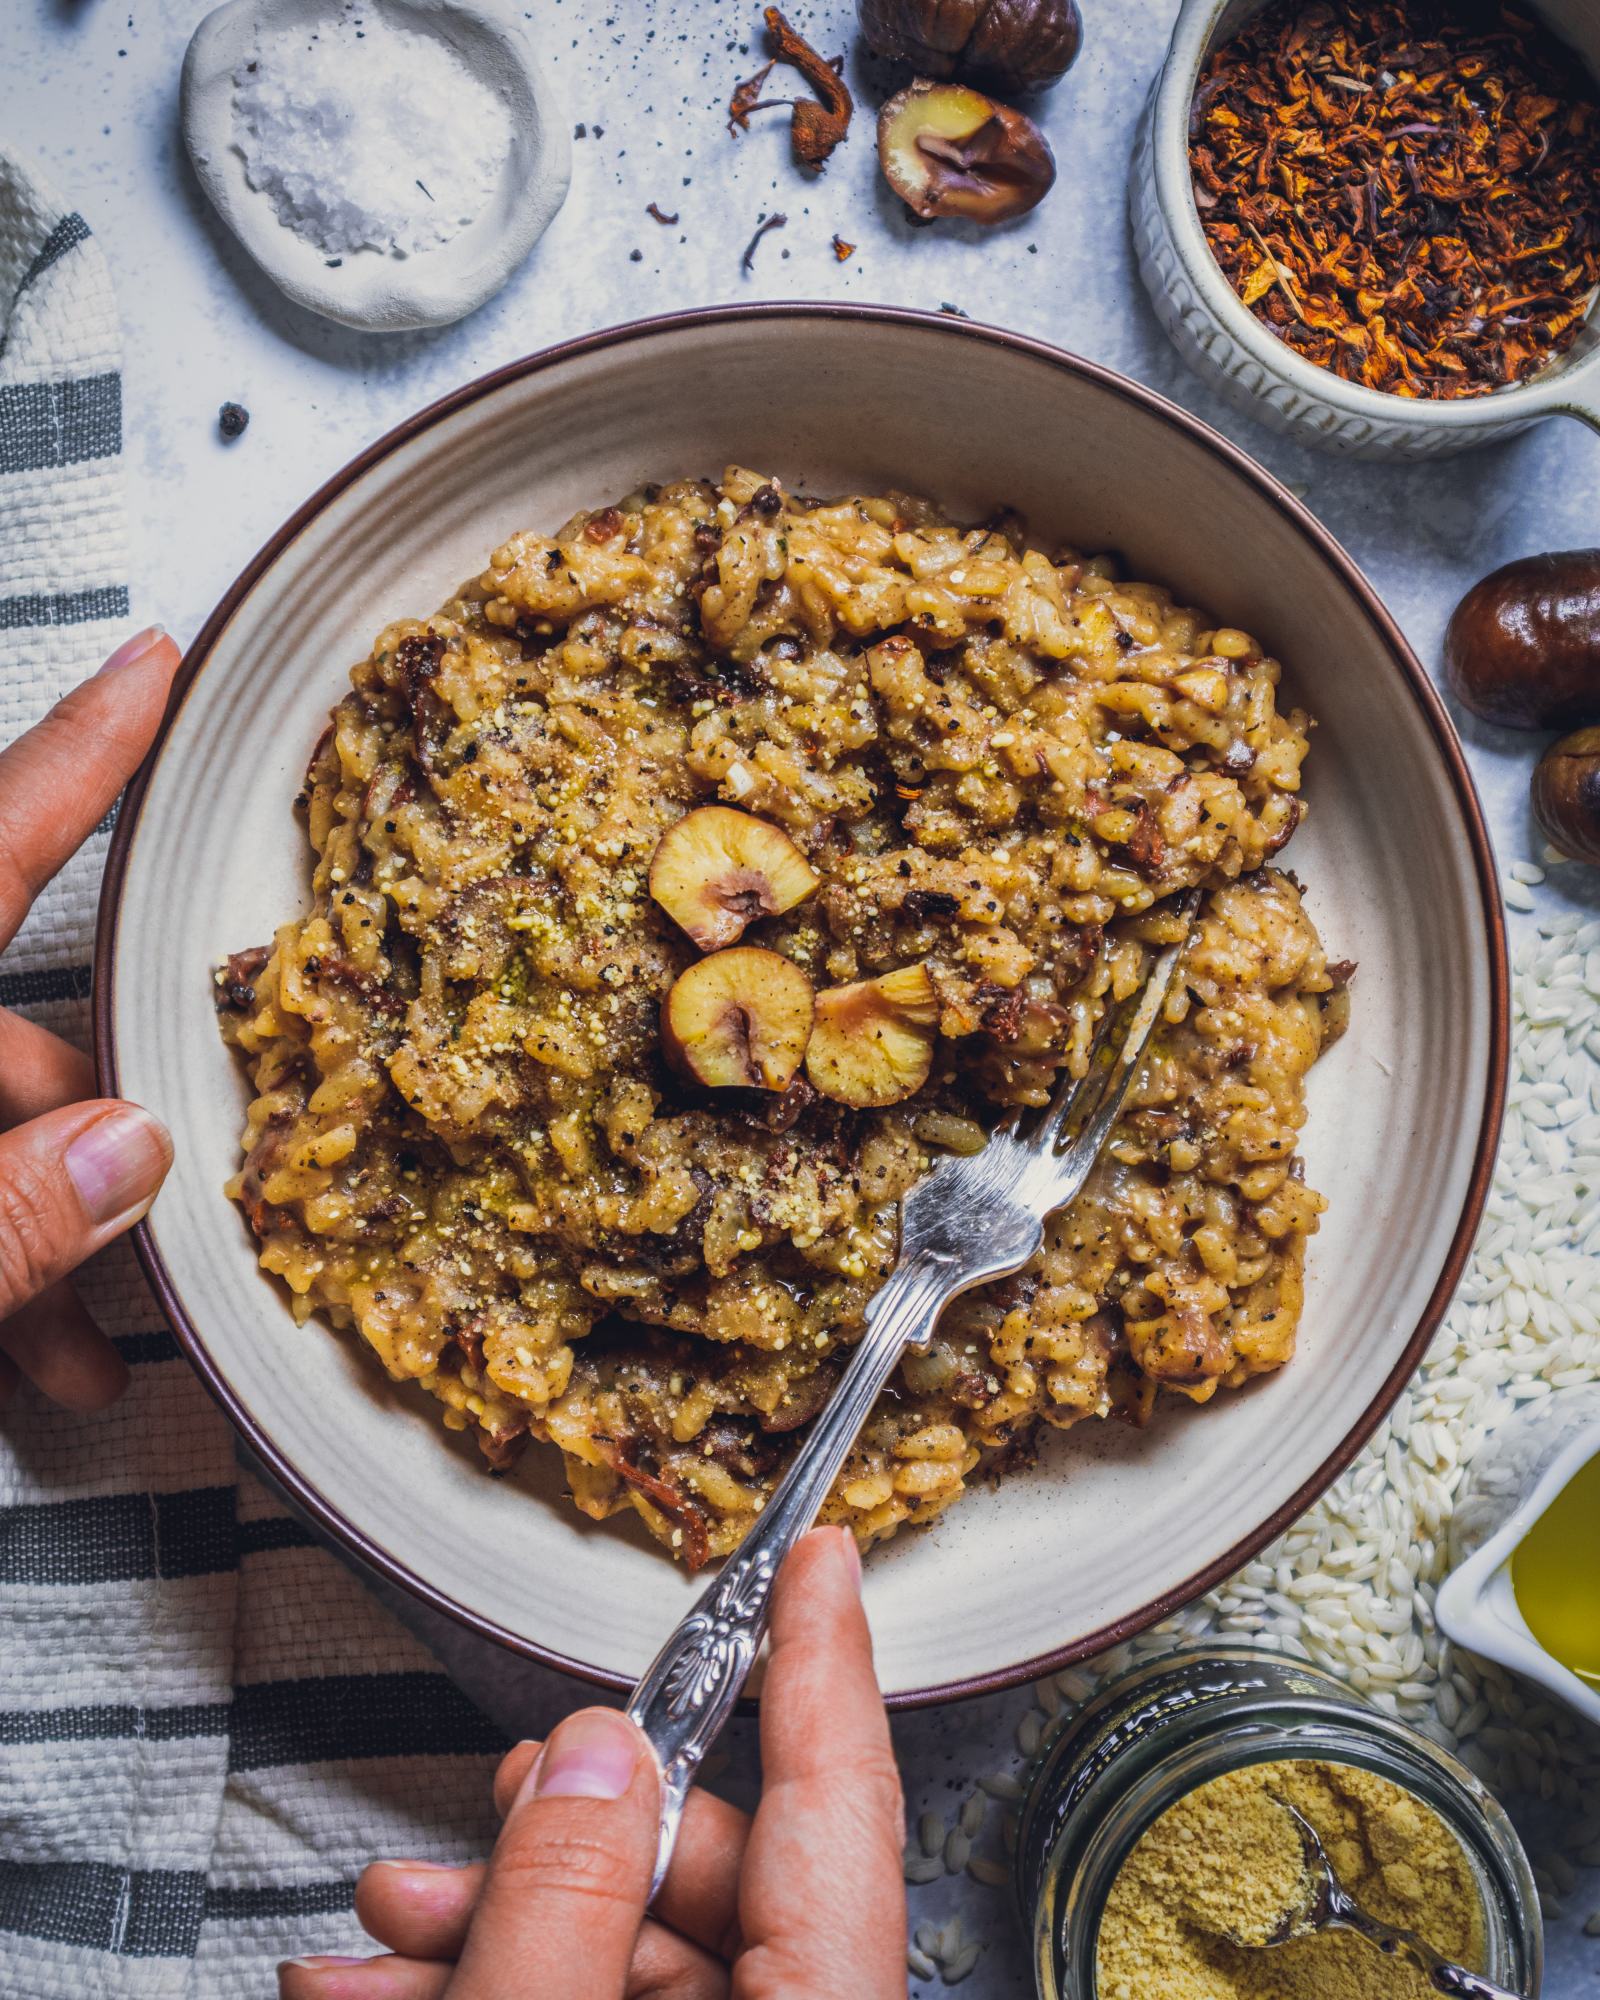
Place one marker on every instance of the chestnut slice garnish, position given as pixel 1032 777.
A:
pixel 716 870
pixel 948 150
pixel 739 1019
pixel 1523 646
pixel 1016 45
pixel 1566 795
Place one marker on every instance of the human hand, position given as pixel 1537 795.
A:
pixel 75 1169
pixel 803 1902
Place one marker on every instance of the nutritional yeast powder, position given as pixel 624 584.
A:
pixel 1225 1863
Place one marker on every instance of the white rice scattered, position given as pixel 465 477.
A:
pixel 956 1969
pixel 1351 1585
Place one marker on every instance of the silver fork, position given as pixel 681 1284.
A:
pixel 972 1218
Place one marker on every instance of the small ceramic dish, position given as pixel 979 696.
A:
pixel 1113 1527
pixel 1218 335
pixel 1521 1470
pixel 365 288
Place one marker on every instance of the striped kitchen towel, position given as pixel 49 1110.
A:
pixel 206 1723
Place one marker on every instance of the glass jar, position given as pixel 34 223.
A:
pixel 1160 1731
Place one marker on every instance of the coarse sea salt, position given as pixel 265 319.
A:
pixel 368 136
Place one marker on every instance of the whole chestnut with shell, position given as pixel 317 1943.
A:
pixel 1566 795
pixel 1523 646
pixel 1015 45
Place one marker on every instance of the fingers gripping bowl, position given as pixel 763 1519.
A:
pixel 1103 1533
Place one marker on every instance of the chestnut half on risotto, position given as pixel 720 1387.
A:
pixel 683 888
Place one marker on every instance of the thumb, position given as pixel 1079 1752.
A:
pixel 69 1182
pixel 570 1873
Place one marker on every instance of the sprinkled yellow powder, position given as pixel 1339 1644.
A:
pixel 1225 1863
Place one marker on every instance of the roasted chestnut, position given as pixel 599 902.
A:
pixel 949 150
pixel 1016 45
pixel 1523 646
pixel 1566 795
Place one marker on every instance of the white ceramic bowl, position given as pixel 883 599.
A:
pixel 1113 1527
pixel 1224 341
pixel 365 289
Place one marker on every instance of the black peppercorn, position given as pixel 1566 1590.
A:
pixel 232 420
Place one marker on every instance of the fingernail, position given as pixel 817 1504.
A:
pixel 852 1556
pixel 592 1755
pixel 118 1162
pixel 328 1963
pixel 419 1867
pixel 135 648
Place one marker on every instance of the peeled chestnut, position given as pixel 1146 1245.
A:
pixel 1566 795
pixel 949 150
pixel 1016 45
pixel 1523 646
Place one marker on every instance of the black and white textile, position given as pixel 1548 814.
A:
pixel 207 1726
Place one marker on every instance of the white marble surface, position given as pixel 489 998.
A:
pixel 91 91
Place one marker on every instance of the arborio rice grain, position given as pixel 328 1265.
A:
pixel 1352 1584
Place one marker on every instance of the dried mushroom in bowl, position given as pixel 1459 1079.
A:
pixel 682 887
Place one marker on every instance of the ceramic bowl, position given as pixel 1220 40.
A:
pixel 364 288
pixel 1223 340
pixel 1518 1473
pixel 1113 1527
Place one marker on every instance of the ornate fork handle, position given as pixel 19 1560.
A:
pixel 973 1218
pixel 694 1682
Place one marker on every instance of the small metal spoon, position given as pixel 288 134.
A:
pixel 1328 1906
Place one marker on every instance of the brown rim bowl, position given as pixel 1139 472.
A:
pixel 1112 1528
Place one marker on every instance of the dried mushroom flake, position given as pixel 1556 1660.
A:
pixel 815 128
pixel 767 223
pixel 1408 195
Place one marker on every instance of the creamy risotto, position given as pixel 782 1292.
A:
pixel 686 885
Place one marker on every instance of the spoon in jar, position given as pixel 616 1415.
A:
pixel 1326 1905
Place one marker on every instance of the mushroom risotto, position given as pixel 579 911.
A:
pixel 689 882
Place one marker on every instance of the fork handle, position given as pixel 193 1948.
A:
pixel 691 1687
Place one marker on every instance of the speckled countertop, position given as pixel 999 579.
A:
pixel 92 91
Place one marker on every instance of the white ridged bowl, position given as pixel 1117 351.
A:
pixel 1223 341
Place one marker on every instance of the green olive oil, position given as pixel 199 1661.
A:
pixel 1555 1573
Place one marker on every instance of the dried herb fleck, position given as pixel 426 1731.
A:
pixel 842 250
pixel 1406 194
pixel 666 221
pixel 815 128
pixel 768 222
